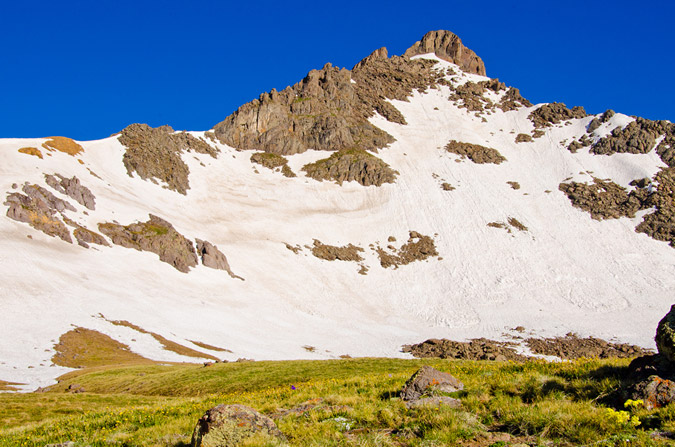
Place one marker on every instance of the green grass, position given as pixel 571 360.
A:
pixel 537 403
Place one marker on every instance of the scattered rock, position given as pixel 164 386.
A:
pixel 514 185
pixel 605 199
pixel 155 154
pixel 554 113
pixel 228 425
pixel 156 235
pixel 449 47
pixel 429 382
pixel 84 236
pixel 524 138
pixel 639 137
pixel 575 145
pixel 665 335
pixel 447 187
pixel 73 189
pixel 573 347
pixel 348 252
pixel 75 388
pixel 477 349
pixel 476 153
pixel 351 164
pixel 418 248
pixel 213 258
pixel 273 161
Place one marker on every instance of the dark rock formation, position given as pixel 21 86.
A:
pixel 157 236
pixel 418 248
pixel 477 349
pixel 524 138
pixel 475 152
pixel 575 145
pixel 553 113
pixel 449 47
pixel 605 199
pixel 228 425
pixel 273 161
pixel 428 381
pixel 471 96
pixel 597 122
pixel 155 154
pixel 348 252
pixel 665 335
pixel 213 258
pixel 73 189
pixel 351 164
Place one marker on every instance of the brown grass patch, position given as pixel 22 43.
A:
pixel 81 348
pixel 8 386
pixel 168 344
pixel 31 151
pixel 207 346
pixel 62 144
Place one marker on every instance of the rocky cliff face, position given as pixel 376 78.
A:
pixel 330 108
pixel 449 47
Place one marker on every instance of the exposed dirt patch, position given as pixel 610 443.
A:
pixel 351 164
pixel 167 344
pixel 31 151
pixel 476 349
pixel 572 347
pixel 155 154
pixel 605 199
pixel 418 248
pixel 273 162
pixel 63 144
pixel 157 236
pixel 209 347
pixel 9 386
pixel 554 113
pixel 347 252
pixel 81 348
pixel 475 152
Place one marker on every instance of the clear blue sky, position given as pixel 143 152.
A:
pixel 88 69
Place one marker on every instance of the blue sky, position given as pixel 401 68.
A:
pixel 88 69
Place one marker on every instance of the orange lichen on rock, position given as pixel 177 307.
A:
pixel 63 144
pixel 31 151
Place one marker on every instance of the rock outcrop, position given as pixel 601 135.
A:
pixel 472 96
pixel 157 236
pixel 426 388
pixel 273 161
pixel 351 164
pixel 554 113
pixel 449 47
pixel 73 189
pixel 418 248
pixel 475 152
pixel 39 208
pixel 477 349
pixel 347 252
pixel 154 153
pixel 228 425
pixel 213 258
pixel 605 199
pixel 665 335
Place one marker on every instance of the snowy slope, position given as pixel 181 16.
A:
pixel 566 273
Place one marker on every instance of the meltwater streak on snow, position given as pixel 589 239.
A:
pixel 566 273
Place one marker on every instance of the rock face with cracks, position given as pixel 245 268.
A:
pixel 449 47
pixel 73 189
pixel 39 208
pixel 157 236
pixel 229 425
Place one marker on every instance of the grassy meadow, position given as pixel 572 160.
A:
pixel 355 402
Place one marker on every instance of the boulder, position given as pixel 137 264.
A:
pixel 428 380
pixel 213 258
pixel 228 425
pixel 665 335
pixel 655 392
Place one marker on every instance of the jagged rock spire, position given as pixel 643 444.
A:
pixel 449 47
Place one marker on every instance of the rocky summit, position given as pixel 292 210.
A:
pixel 358 212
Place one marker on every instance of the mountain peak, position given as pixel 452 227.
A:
pixel 448 46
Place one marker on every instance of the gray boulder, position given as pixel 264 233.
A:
pixel 429 381
pixel 228 425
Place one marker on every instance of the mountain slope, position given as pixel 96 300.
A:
pixel 467 235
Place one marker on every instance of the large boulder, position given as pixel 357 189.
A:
pixel 228 425
pixel 655 392
pixel 665 335
pixel 428 381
